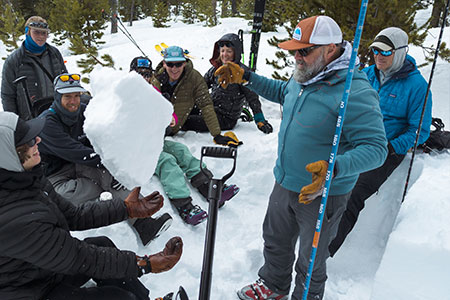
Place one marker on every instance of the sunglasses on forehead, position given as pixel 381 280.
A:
pixel 31 142
pixel 224 43
pixel 174 64
pixel 65 78
pixel 143 63
pixel 377 51
pixel 38 25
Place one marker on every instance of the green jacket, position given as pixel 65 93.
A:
pixel 190 90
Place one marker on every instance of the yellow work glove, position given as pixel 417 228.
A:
pixel 312 191
pixel 229 73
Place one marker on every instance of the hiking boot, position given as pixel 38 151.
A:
pixel 149 228
pixel 257 291
pixel 192 214
pixel 228 192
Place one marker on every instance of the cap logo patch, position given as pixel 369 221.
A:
pixel 297 34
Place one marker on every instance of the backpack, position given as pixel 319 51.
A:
pixel 439 138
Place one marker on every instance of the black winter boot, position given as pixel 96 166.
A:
pixel 149 228
pixel 201 179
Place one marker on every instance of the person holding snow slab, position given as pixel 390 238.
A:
pixel 311 102
pixel 70 162
pixel 176 161
pixel 402 91
pixel 39 258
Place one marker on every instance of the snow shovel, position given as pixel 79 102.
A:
pixel 214 195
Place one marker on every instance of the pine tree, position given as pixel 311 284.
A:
pixel 81 22
pixel 160 14
pixel 11 28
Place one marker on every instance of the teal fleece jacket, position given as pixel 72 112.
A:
pixel 308 126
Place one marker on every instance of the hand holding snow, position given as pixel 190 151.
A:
pixel 125 123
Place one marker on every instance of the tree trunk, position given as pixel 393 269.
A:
pixel 234 8
pixel 114 16
pixel 438 9
pixel 132 13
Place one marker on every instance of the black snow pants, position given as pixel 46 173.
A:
pixel 196 123
pixel 106 289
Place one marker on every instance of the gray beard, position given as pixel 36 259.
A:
pixel 309 72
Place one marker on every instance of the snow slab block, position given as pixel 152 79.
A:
pixel 416 263
pixel 125 122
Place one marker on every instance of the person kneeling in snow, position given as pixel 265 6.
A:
pixel 176 161
pixel 39 259
pixel 70 162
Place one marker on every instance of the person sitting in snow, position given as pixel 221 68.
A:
pixel 39 258
pixel 70 162
pixel 186 89
pixel 402 91
pixel 229 102
pixel 175 162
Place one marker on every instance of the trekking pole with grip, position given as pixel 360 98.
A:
pixel 214 195
pixel 436 53
pixel 334 149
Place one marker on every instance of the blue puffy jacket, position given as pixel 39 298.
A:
pixel 308 125
pixel 401 103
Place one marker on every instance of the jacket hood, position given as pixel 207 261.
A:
pixel 236 44
pixel 9 160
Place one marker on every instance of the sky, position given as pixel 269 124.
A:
pixel 395 251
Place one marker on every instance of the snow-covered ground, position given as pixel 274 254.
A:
pixel 394 252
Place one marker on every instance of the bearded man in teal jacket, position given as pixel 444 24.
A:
pixel 402 91
pixel 310 102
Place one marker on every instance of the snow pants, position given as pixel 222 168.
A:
pixel 79 184
pixel 368 183
pixel 176 161
pixel 107 289
pixel 285 222
pixel 196 123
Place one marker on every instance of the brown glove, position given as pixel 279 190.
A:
pixel 164 260
pixel 312 191
pixel 143 207
pixel 229 73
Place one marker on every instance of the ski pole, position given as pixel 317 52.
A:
pixel 258 15
pixel 334 149
pixel 22 80
pixel 436 53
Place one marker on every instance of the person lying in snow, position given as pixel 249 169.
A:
pixel 229 102
pixel 175 162
pixel 70 162
pixel 39 258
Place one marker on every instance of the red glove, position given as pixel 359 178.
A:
pixel 164 260
pixel 143 207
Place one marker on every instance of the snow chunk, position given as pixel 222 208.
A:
pixel 125 122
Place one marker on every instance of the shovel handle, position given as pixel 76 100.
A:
pixel 222 152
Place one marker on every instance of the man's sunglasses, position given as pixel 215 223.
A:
pixel 386 53
pixel 65 78
pixel 305 51
pixel 225 43
pixel 38 25
pixel 172 64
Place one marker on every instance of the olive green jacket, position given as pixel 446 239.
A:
pixel 191 90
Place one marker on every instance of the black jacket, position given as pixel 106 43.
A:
pixel 229 102
pixel 23 63
pixel 62 144
pixel 36 247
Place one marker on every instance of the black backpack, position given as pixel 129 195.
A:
pixel 439 138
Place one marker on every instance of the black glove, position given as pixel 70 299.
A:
pixel 169 131
pixel 226 141
pixel 265 126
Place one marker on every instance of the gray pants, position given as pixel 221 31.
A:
pixel 79 183
pixel 286 220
